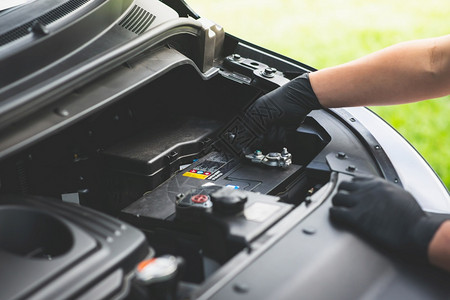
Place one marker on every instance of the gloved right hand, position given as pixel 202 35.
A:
pixel 386 214
pixel 272 116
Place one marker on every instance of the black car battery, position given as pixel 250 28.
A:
pixel 143 161
pixel 219 168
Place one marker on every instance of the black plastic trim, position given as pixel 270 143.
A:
pixel 45 19
pixel 137 20
pixel 368 140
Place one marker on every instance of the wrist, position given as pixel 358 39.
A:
pixel 439 247
pixel 308 92
pixel 423 233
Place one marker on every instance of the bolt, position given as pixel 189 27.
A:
pixel 341 155
pixel 352 120
pixel 377 147
pixel 236 56
pixel 269 72
pixel 258 152
pixel 351 168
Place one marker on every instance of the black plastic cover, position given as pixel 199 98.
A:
pixel 53 250
pixel 142 162
pixel 67 24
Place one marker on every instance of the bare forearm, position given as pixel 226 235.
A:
pixel 439 248
pixel 406 72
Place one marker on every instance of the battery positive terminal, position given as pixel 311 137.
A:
pixel 281 159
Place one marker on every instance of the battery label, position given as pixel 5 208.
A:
pixel 195 175
pixel 212 168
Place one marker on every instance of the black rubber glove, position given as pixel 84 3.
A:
pixel 386 214
pixel 268 120
pixel 287 105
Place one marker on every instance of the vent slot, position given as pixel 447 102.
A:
pixel 137 20
pixel 46 19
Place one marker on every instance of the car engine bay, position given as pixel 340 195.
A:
pixel 159 159
pixel 146 181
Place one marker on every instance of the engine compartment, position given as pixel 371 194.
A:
pixel 137 160
pixel 122 175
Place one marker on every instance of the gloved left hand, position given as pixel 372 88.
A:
pixel 386 214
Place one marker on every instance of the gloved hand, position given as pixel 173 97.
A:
pixel 274 114
pixel 287 105
pixel 386 214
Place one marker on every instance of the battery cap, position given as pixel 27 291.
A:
pixel 228 201
pixel 157 269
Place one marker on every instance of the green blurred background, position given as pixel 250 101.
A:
pixel 324 33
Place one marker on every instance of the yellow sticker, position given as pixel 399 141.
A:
pixel 195 175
